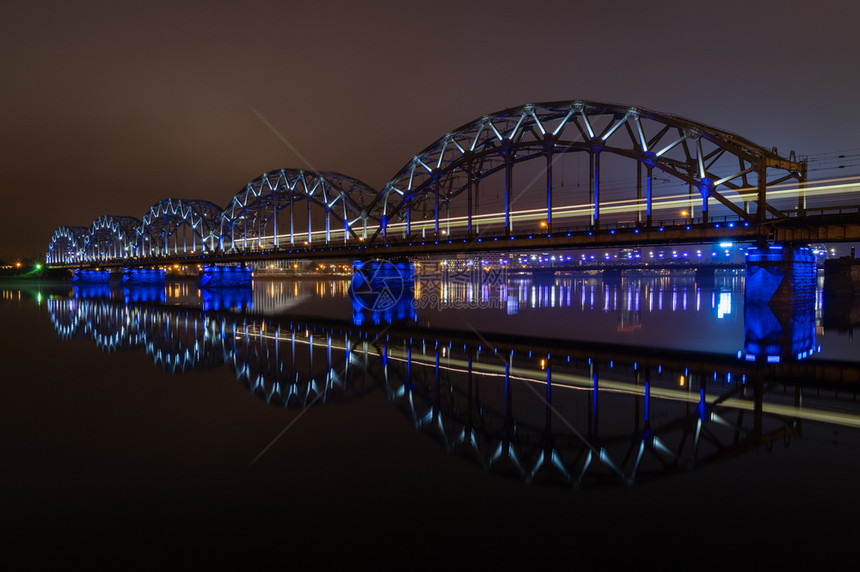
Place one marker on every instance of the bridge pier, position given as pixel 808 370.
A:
pixel 91 276
pixel 382 291
pixel 225 276
pixel 142 276
pixel 779 303
pixel 777 274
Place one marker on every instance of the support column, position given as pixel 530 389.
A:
pixel 509 182
pixel 469 201
pixel 477 210
pixel 762 194
pixel 801 191
pixel 436 206
pixel 594 187
pixel 690 204
pixel 292 228
pixel 638 191
pixel 705 187
pixel 649 191
pixel 549 191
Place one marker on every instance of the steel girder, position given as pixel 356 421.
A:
pixel 66 244
pixel 111 237
pixel 711 160
pixel 253 212
pixel 166 217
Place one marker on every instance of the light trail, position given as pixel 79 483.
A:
pixel 815 189
pixel 582 383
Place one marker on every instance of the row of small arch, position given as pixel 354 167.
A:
pixel 440 172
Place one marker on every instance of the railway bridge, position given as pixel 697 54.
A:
pixel 566 174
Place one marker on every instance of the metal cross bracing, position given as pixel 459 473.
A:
pixel 718 169
pixel 251 220
pixel 66 244
pixel 110 237
pixel 159 232
pixel 539 168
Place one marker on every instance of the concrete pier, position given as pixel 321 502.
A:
pixel 779 304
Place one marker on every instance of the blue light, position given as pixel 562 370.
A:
pixel 661 229
pixel 636 231
pixel 731 225
pixel 612 231
pixel 688 227
pixel 717 225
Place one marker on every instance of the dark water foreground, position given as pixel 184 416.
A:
pixel 156 433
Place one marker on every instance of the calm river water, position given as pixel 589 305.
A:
pixel 471 421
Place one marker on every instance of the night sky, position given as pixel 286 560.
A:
pixel 109 107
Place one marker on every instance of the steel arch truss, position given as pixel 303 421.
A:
pixel 163 221
pixel 717 164
pixel 111 237
pixel 67 244
pixel 252 216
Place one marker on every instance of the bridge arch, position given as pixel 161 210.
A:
pixel 111 237
pixel 66 244
pixel 719 169
pixel 251 220
pixel 159 232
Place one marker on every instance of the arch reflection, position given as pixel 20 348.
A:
pixel 576 415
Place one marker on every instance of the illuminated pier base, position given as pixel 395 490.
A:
pixel 227 298
pixel 91 276
pixel 382 291
pixel 779 275
pixel 225 277
pixel 779 304
pixel 381 275
pixel 143 277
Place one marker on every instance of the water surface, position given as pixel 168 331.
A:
pixel 285 424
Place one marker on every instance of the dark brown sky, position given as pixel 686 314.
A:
pixel 109 107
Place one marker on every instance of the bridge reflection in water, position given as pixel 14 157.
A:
pixel 537 410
